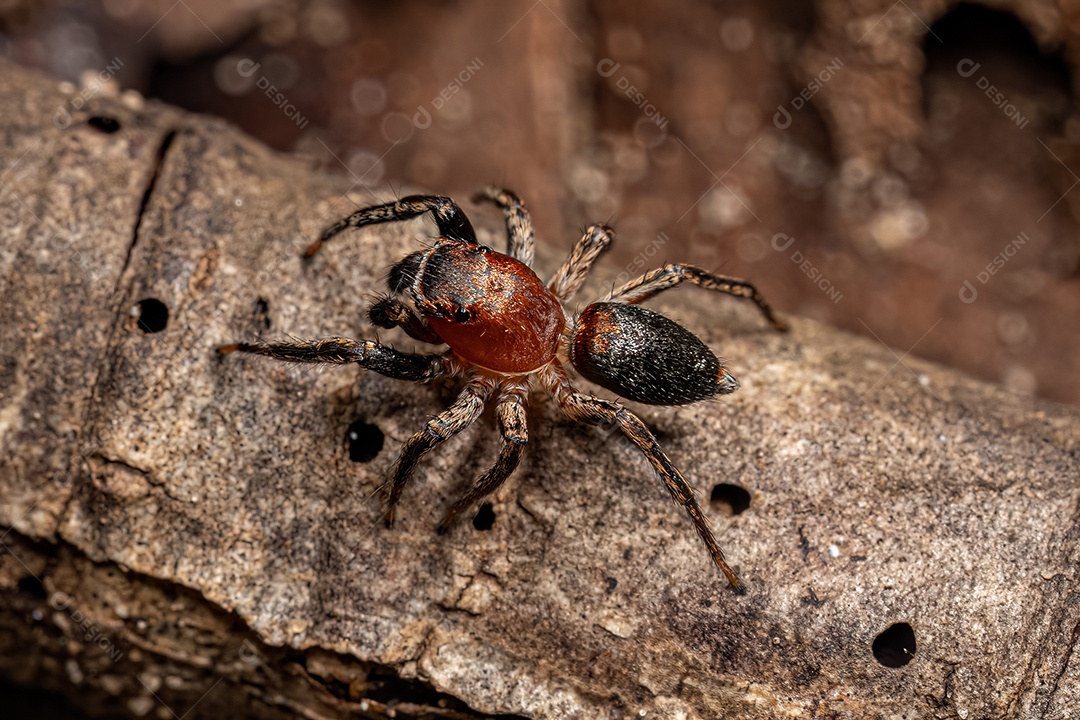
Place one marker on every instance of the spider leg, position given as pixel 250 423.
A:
pixel 465 410
pixel 519 227
pixel 450 219
pixel 672 275
pixel 568 278
pixel 391 312
pixel 343 351
pixel 591 410
pixel 515 433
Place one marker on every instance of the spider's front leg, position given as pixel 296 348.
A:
pixel 391 312
pixel 450 219
pixel 591 410
pixel 343 351
pixel 520 243
pixel 515 433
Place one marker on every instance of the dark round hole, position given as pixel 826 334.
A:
pixel 485 517
pixel 32 586
pixel 729 499
pixel 153 315
pixel 262 313
pixel 104 123
pixel 365 441
pixel 896 646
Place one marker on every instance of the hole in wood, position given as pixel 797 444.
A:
pixel 104 123
pixel 153 315
pixel 32 586
pixel 729 499
pixel 485 518
pixel 895 647
pixel 261 313
pixel 365 441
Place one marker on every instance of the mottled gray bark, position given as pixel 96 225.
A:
pixel 183 530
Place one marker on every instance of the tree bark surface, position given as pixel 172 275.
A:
pixel 188 533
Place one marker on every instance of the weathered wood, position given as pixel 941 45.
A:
pixel 184 530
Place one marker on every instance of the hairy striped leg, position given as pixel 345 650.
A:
pixel 450 219
pixel 343 351
pixel 673 275
pixel 520 243
pixel 572 273
pixel 462 413
pixel 591 410
pixel 514 430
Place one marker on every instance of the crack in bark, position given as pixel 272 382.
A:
pixel 144 204
pixel 946 693
pixel 97 457
pixel 1058 601
pixel 79 470
pixel 1073 642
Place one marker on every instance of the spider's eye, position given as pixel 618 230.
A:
pixel 461 315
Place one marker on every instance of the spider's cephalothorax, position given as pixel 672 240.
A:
pixel 503 325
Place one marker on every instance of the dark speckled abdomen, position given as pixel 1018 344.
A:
pixel 643 356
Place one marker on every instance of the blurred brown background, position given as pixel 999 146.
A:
pixel 902 170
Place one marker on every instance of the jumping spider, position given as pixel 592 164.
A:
pixel 504 326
